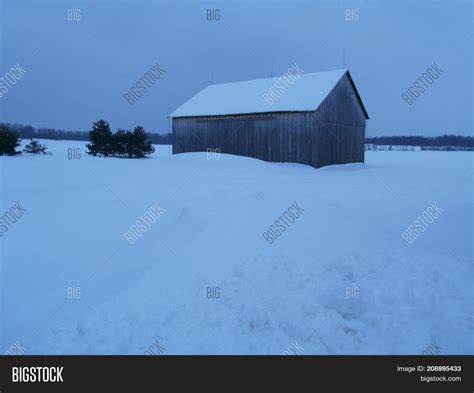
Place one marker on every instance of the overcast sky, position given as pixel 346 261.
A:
pixel 78 71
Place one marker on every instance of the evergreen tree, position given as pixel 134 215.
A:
pixel 8 141
pixel 100 138
pixel 34 147
pixel 141 145
pixel 121 142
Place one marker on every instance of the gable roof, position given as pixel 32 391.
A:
pixel 305 94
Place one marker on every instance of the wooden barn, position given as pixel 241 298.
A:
pixel 317 120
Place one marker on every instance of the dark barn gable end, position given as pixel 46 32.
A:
pixel 331 132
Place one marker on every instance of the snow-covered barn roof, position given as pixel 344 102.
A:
pixel 305 94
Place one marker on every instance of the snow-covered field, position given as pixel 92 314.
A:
pixel 339 280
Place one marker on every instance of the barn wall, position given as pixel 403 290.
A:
pixel 333 134
pixel 340 124
pixel 264 136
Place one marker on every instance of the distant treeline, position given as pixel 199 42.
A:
pixel 424 141
pixel 467 142
pixel 29 132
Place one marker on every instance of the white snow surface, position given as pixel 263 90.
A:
pixel 348 236
pixel 305 94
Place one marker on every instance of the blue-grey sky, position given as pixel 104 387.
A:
pixel 78 71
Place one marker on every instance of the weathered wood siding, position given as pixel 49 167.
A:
pixel 334 134
pixel 340 121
